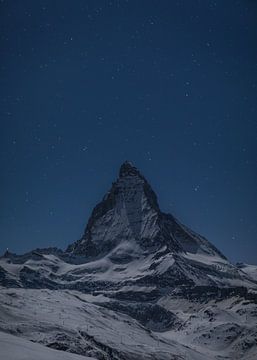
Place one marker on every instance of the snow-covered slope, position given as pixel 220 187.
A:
pixel 249 270
pixel 137 285
pixel 71 321
pixel 160 271
pixel 83 324
pixel 16 348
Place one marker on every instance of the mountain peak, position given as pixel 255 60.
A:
pixel 128 169
pixel 129 221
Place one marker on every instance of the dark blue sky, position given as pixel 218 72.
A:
pixel 169 85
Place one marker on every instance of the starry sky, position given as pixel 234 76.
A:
pixel 168 85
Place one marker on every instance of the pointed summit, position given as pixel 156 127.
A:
pixel 128 213
pixel 128 169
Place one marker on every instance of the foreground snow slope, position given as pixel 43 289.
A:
pixel 16 348
pixel 84 324
pixel 67 321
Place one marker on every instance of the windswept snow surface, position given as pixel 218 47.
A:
pixel 16 348
pixel 249 270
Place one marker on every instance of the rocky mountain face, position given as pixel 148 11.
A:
pixel 129 218
pixel 168 290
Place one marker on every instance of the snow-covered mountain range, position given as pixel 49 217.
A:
pixel 137 285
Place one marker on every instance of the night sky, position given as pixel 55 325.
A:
pixel 168 85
